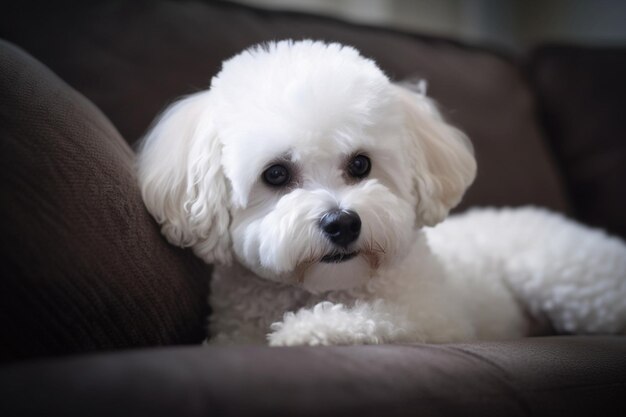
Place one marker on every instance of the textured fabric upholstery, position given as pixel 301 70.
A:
pixel 583 97
pixel 83 264
pixel 551 376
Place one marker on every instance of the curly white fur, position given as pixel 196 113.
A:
pixel 311 107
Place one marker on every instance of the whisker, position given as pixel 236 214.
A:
pixel 375 248
pixel 302 267
pixel 372 255
pixel 380 248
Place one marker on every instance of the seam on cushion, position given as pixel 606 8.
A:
pixel 503 376
pixel 601 385
pixel 479 357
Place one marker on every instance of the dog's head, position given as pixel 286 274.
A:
pixel 305 163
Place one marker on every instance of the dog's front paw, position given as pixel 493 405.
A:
pixel 325 324
pixel 287 335
pixel 332 324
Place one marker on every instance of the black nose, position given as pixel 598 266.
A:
pixel 342 227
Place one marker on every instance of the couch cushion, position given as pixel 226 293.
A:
pixel 583 96
pixel 83 264
pixel 131 58
pixel 553 376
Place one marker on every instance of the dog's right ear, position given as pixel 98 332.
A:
pixel 182 182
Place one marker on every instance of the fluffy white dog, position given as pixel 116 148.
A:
pixel 310 180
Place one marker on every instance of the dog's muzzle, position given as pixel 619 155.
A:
pixel 341 227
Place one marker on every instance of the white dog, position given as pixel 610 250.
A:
pixel 310 180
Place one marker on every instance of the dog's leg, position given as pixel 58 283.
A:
pixel 336 324
pixel 573 275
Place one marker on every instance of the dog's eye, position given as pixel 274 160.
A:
pixel 276 176
pixel 359 166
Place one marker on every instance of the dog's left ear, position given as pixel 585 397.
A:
pixel 442 157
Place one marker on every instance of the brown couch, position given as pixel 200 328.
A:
pixel 93 300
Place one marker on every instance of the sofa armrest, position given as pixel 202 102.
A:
pixel 83 266
pixel 536 376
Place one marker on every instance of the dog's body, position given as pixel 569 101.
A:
pixel 310 181
pixel 486 274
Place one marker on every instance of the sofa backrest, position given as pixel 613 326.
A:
pixel 582 96
pixel 133 58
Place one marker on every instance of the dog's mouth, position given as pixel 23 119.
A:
pixel 335 258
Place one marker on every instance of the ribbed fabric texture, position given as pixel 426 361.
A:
pixel 83 264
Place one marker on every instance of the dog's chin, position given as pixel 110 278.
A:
pixel 336 273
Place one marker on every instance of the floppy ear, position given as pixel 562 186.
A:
pixel 182 182
pixel 442 155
